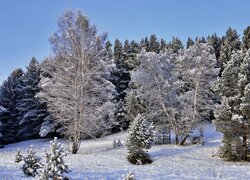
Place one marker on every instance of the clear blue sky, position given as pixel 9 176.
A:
pixel 25 25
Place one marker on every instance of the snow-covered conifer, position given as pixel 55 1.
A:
pixel 129 176
pixel 141 136
pixel 31 163
pixel 55 166
pixel 232 115
pixel 9 95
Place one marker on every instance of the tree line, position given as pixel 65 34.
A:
pixel 90 88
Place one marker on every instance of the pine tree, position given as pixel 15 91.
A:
pixel 230 43
pixel 246 39
pixel 232 118
pixel 174 46
pixel 108 50
pixel 154 45
pixel 190 43
pixel 163 45
pixel 31 163
pixel 54 166
pixel 31 110
pixel 118 50
pixel 141 136
pixel 215 42
pixel 9 95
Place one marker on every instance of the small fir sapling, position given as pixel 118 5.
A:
pixel 55 166
pixel 119 143
pixel 114 143
pixel 18 157
pixel 129 176
pixel 31 162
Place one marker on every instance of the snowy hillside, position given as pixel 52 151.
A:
pixel 97 159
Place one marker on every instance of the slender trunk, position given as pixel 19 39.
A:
pixel 183 140
pixel 176 139
pixel 194 114
pixel 244 148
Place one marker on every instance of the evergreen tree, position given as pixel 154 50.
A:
pixel 54 166
pixel 9 95
pixel 190 43
pixel 163 45
pixel 154 45
pixel 31 110
pixel 141 136
pixel 232 115
pixel 215 42
pixel 108 50
pixel 230 43
pixel 31 163
pixel 118 50
pixel 175 46
pixel 246 39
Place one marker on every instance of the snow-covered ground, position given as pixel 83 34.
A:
pixel 98 160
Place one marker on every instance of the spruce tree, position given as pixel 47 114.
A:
pixel 230 43
pixel 163 45
pixel 215 42
pixel 118 50
pixel 9 95
pixel 190 43
pixel 31 110
pixel 246 39
pixel 154 45
pixel 141 136
pixel 232 117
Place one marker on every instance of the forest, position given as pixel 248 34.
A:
pixel 160 92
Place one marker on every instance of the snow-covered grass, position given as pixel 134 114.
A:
pixel 97 159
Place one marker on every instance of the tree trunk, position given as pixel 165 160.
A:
pixel 183 140
pixel 176 140
pixel 75 147
pixel 244 148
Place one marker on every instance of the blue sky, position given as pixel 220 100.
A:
pixel 26 25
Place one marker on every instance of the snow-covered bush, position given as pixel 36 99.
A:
pixel 55 165
pixel 31 162
pixel 117 143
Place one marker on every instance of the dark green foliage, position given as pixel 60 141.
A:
pixel 246 39
pixel 163 45
pixel 118 50
pixel 190 42
pixel 230 43
pixel 138 157
pixel 215 42
pixel 154 45
pixel 31 110
pixel 10 93
pixel 175 46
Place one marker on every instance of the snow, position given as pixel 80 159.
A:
pixel 97 159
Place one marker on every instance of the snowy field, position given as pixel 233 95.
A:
pixel 98 160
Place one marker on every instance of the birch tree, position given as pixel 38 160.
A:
pixel 197 72
pixel 78 94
